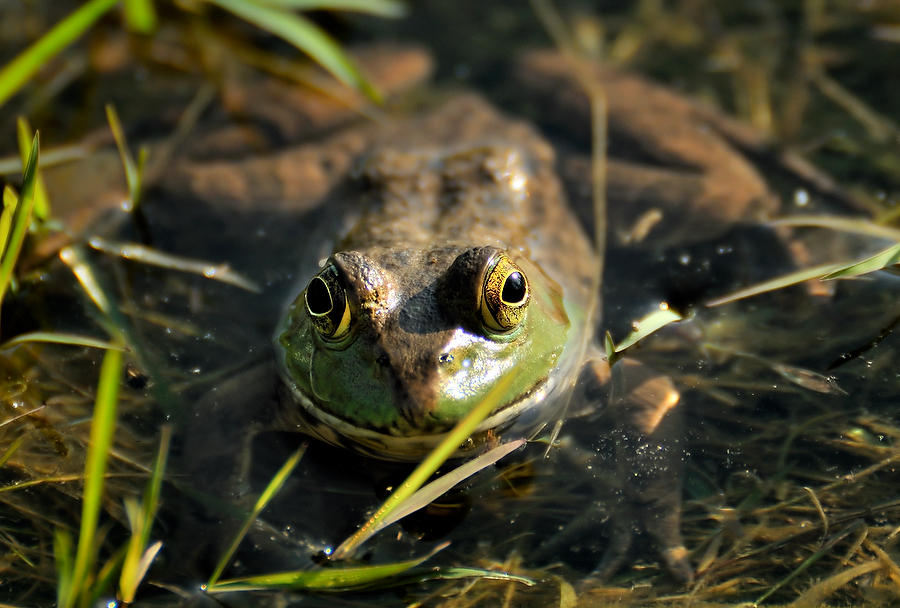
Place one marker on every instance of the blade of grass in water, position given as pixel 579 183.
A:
pixel 41 201
pixel 843 224
pixel 885 258
pixel 799 376
pixel 823 590
pixel 148 255
pixel 880 260
pixel 363 577
pixel 823 551
pixel 74 257
pixel 444 450
pixel 421 575
pixel 10 165
pixel 379 8
pixel 428 493
pixel 17 72
pixel 306 36
pixel 651 323
pixel 61 338
pixel 133 170
pixel 114 321
pixel 62 555
pixel 138 555
pixel 103 581
pixel 21 218
pixel 326 579
pixel 140 15
pixel 15 444
pixel 781 282
pixel 564 40
pixel 10 202
pixel 261 502
pixel 103 424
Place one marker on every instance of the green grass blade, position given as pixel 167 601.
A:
pixel 842 224
pixel 824 550
pixel 792 278
pixel 326 579
pixel 103 581
pixel 41 200
pixel 62 555
pixel 880 260
pixel 33 410
pixel 609 347
pixel 808 379
pixel 53 337
pixel 102 427
pixel 113 320
pixel 133 170
pixel 271 489
pixel 444 450
pixel 431 491
pixel 140 16
pixel 421 575
pixel 148 255
pixel 17 551
pixel 21 219
pixel 12 165
pixel 150 502
pixel 651 323
pixel 10 202
pixel 380 8
pixel 74 257
pixel 138 555
pixel 11 449
pixel 17 72
pixel 306 36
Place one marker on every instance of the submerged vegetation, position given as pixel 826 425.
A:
pixel 805 508
pixel 275 16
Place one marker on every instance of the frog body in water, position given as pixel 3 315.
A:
pixel 443 285
pixel 446 257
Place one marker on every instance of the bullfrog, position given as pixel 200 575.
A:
pixel 444 253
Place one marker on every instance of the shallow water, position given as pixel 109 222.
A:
pixel 770 438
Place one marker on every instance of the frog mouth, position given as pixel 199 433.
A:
pixel 319 423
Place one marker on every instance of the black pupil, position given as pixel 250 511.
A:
pixel 318 300
pixel 513 288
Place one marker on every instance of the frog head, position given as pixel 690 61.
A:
pixel 391 347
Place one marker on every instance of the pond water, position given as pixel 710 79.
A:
pixel 789 439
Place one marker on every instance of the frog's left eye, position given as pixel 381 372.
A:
pixel 327 306
pixel 505 294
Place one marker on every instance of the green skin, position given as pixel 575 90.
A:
pixel 419 350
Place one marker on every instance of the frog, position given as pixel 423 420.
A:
pixel 450 248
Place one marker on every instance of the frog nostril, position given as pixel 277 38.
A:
pixel 383 360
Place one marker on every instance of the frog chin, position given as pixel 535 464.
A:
pixel 315 421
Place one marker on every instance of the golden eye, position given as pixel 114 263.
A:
pixel 326 304
pixel 505 295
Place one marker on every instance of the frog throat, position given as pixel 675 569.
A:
pixel 339 432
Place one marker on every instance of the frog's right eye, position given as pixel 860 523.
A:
pixel 327 306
